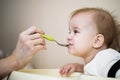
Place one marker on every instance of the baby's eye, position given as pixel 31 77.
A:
pixel 76 31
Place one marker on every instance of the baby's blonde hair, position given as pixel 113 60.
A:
pixel 106 25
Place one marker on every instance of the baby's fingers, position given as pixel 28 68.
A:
pixel 65 71
pixel 71 70
pixel 61 71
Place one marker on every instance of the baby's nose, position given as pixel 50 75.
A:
pixel 70 36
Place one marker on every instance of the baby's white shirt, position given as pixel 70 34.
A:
pixel 102 62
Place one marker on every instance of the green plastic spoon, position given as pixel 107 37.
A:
pixel 50 38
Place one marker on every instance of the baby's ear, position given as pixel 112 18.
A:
pixel 98 41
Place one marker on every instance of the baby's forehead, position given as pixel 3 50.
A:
pixel 90 14
pixel 87 13
pixel 87 16
pixel 84 19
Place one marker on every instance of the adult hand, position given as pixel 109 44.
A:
pixel 28 45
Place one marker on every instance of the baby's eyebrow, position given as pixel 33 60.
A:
pixel 76 27
pixel 73 28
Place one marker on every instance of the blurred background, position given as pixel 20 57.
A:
pixel 50 15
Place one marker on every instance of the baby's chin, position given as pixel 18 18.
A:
pixel 74 54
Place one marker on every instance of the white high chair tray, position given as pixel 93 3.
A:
pixel 51 74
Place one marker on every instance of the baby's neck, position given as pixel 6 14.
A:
pixel 93 53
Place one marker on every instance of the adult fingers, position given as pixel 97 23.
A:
pixel 32 30
pixel 34 36
pixel 39 41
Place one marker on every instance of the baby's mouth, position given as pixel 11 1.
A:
pixel 70 44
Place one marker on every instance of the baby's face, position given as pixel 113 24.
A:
pixel 82 33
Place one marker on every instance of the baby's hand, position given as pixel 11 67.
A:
pixel 70 68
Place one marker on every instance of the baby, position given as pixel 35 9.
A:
pixel 92 31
